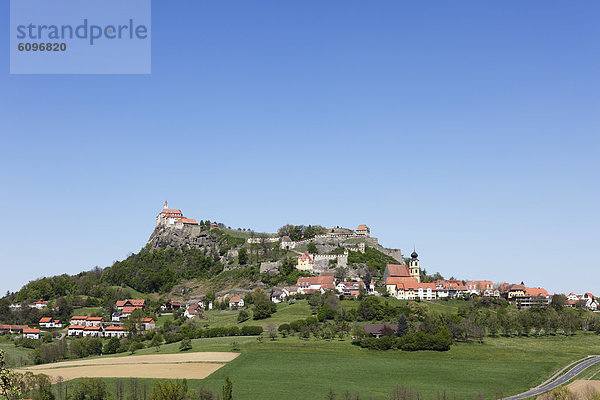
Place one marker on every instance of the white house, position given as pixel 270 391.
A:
pixel 48 322
pixel 236 301
pixel 115 331
pixel 192 311
pixel 39 304
pixel 278 296
pixel 30 333
pixel 76 330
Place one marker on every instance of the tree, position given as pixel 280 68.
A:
pixel 186 344
pixel 402 326
pixel 243 316
pixel 169 390
pixel 558 302
pixel 157 341
pixel 243 256
pixel 8 383
pixel 112 345
pixel 88 389
pixel 227 389
pixel 311 248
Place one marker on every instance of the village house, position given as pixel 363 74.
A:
pixel 12 328
pixel 482 288
pixel 31 333
pixel 170 306
pixel 92 331
pixel 410 289
pixel 305 263
pixel 278 296
pixel 236 301
pixel 39 304
pixel 290 290
pixel 115 331
pixel 450 288
pixel 311 284
pixel 135 303
pixel 148 324
pixel 350 288
pixel 192 311
pixel 127 311
pixel 379 330
pixel 116 317
pixel 75 330
pixel 94 321
pixel 48 322
pixel 79 320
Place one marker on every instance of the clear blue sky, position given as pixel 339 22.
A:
pixel 467 128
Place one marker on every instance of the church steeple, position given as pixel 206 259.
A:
pixel 414 268
pixel 166 205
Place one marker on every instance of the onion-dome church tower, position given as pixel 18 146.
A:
pixel 413 267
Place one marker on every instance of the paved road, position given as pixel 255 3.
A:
pixel 561 380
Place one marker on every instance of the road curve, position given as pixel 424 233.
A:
pixel 561 380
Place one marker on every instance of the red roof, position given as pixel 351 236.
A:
pixel 129 310
pixel 77 327
pixel 92 328
pixel 79 318
pixel 188 221
pixel 235 299
pixel 305 257
pixel 398 270
pixel 45 320
pixel 315 280
pixel 402 282
pixel 149 320
pixel 171 211
pixel 29 330
pixel 41 302
pixel 94 318
pixel 114 328
pixel 362 228
pixel 537 292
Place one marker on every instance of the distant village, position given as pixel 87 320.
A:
pixel 399 280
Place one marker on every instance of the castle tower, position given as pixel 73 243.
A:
pixel 414 268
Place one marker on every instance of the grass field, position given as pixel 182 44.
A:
pixel 308 369
pixel 15 356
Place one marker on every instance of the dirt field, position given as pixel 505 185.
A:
pixel 583 388
pixel 167 366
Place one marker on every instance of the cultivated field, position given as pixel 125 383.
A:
pixel 158 366
pixel 584 388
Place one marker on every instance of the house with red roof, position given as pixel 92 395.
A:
pixel 171 306
pixel 49 322
pixel 115 331
pixel 450 288
pixel 75 330
pixel 409 288
pixel 236 301
pixel 41 303
pixel 350 288
pixel 134 303
pixel 31 333
pixel 148 324
pixel 315 283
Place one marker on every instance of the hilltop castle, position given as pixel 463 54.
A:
pixel 171 217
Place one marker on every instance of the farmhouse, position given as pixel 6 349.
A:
pixel 31 333
pixel 278 296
